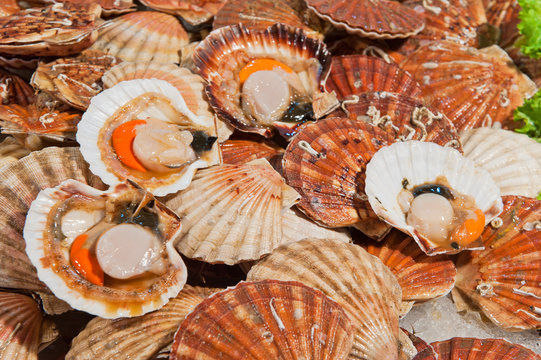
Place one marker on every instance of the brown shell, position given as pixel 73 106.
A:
pixel 11 150
pixel 486 349
pixel 453 20
pixel 238 152
pixel 421 277
pixel 57 30
pixel 380 19
pixel 142 36
pixel 259 15
pixel 20 183
pixel 474 88
pixel 74 80
pixel 325 163
pixel 221 56
pixel 424 350
pixel 358 281
pixel 194 12
pixel 14 90
pixel 356 74
pixel 267 319
pixel 136 338
pixel 531 67
pixel 504 15
pixel 503 280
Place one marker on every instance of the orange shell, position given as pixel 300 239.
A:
pixel 474 88
pixel 503 280
pixel 108 7
pixel 14 90
pixel 421 277
pixel 195 12
pixel 57 30
pixel 9 7
pixel 369 18
pixel 267 319
pixel 486 349
pixel 325 163
pixel 356 74
pixel 424 350
pixel 220 57
pixel 238 152
pixel 142 36
pixel 74 80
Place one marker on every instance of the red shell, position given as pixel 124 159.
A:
pixel 504 279
pixel 356 74
pixel 424 350
pixel 238 152
pixel 485 349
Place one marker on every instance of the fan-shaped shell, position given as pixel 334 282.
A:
pixel 266 319
pixel 57 30
pixel 14 90
pixel 95 130
pixel 142 36
pixel 486 349
pixel 409 164
pixel 136 338
pixel 194 12
pixel 73 80
pixel 473 88
pixel 20 183
pixel 20 327
pixel 513 160
pixel 356 74
pixel 238 152
pixel 503 280
pixel 358 281
pixel 221 56
pixel 369 18
pixel 296 226
pixel 325 163
pixel 11 150
pixel 50 254
pixel 108 7
pixel 421 277
pixel 232 213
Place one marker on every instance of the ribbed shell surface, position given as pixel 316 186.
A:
pixel 485 349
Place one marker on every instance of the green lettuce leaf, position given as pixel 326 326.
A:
pixel 539 196
pixel 530 113
pixel 530 28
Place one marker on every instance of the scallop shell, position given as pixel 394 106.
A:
pixel 266 319
pixel 377 19
pixel 142 36
pixel 95 131
pixel 51 259
pixel 416 163
pixel 136 338
pixel 531 67
pixel 73 80
pixel 108 7
pixel 14 90
pixel 260 15
pixel 325 163
pixel 238 152
pixel 424 350
pixel 194 12
pixel 421 277
pixel 503 280
pixel 356 74
pixel 9 7
pixel 402 116
pixel 504 15
pixel 11 150
pixel 473 88
pixel 20 327
pixel 57 30
pixel 513 160
pixel 296 226
pixel 232 213
pixel 225 51
pixel 358 281
pixel 486 349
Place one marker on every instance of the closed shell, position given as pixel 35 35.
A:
pixel 486 349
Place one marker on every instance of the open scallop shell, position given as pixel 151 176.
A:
pixel 421 277
pixel 412 163
pixel 513 160
pixel 358 281
pixel 474 88
pixel 356 74
pixel 325 163
pixel 49 253
pixel 194 12
pixel 106 111
pixel 221 56
pixel 232 213
pixel 267 319
pixel 136 338
pixel 486 349
pixel 20 183
pixel 503 279
pixel 380 19
pixel 142 36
